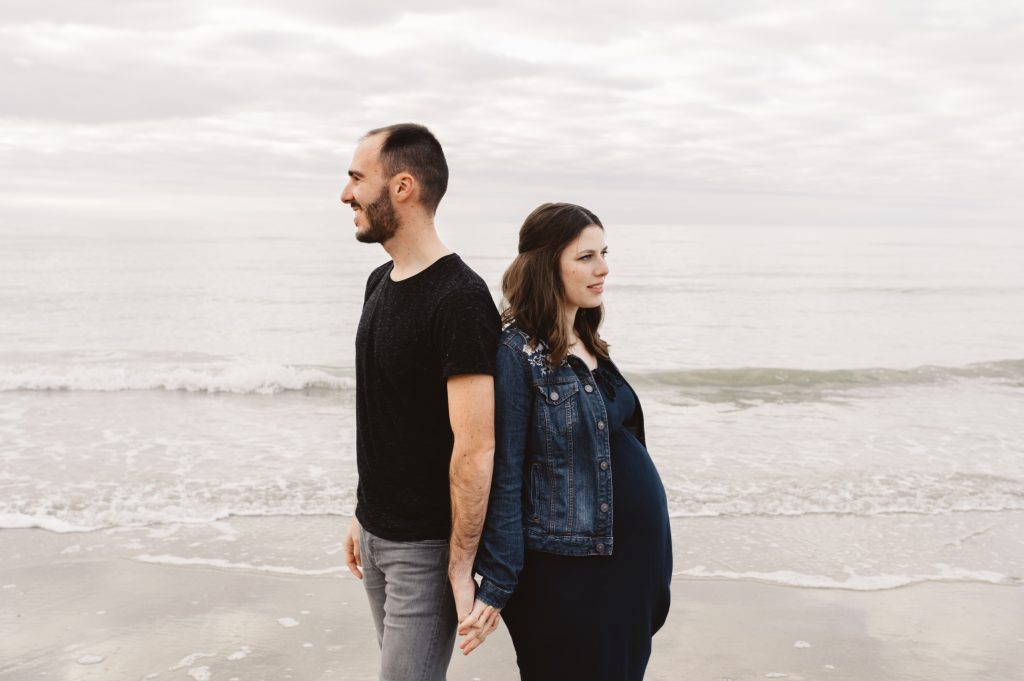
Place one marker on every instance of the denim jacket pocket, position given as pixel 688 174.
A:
pixel 536 511
pixel 557 393
pixel 558 404
pixel 557 427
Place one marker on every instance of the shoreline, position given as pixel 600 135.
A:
pixel 88 615
pixel 865 553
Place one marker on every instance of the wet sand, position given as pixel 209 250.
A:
pixel 90 616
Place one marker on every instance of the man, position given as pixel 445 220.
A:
pixel 425 358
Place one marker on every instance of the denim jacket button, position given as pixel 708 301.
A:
pixel 589 388
pixel 600 548
pixel 604 508
pixel 600 425
pixel 604 465
pixel 554 395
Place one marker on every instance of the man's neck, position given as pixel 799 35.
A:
pixel 414 248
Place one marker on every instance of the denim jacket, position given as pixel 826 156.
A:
pixel 552 484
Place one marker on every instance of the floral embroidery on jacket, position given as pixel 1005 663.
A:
pixel 539 355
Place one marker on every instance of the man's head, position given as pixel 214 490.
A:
pixel 395 170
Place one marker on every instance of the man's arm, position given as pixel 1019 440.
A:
pixel 471 412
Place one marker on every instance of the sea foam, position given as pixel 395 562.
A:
pixel 267 378
pixel 943 573
pixel 212 500
pixel 264 379
pixel 20 521
pixel 781 377
pixel 166 559
pixel 861 494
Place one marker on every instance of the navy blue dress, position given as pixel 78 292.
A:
pixel 592 617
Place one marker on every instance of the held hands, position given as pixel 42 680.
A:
pixel 477 625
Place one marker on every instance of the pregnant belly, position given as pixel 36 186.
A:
pixel 640 506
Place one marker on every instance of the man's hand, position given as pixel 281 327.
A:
pixel 477 626
pixel 464 590
pixel 351 548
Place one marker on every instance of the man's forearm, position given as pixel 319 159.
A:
pixel 470 484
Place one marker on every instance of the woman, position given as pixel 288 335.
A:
pixel 576 549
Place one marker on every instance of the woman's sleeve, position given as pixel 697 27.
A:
pixel 500 556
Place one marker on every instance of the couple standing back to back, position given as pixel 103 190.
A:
pixel 491 451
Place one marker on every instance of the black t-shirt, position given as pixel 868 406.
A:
pixel 413 335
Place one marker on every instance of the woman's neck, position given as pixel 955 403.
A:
pixel 569 322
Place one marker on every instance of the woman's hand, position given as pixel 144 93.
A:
pixel 477 626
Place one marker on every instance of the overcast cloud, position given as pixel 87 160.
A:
pixel 829 112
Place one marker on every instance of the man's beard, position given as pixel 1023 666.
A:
pixel 381 220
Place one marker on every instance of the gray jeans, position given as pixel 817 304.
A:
pixel 412 605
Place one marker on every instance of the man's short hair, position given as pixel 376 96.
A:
pixel 411 148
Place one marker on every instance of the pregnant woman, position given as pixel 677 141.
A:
pixel 576 550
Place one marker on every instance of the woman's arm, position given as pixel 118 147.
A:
pixel 500 556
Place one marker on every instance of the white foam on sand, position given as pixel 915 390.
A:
pixel 166 559
pixel 200 673
pixel 189 660
pixel 288 622
pixel 91 659
pixel 801 644
pixel 240 654
pixel 20 521
pixel 857 494
pixel 943 573
pixel 141 507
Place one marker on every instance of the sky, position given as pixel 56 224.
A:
pixel 203 112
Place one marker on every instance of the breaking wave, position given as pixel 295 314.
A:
pixel 263 379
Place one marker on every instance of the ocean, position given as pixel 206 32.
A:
pixel 828 407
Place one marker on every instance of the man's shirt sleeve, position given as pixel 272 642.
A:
pixel 468 331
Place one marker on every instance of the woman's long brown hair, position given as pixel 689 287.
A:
pixel 532 289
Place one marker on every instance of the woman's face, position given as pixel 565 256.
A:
pixel 584 267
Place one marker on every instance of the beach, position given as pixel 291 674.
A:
pixel 836 421
pixel 814 288
pixel 83 608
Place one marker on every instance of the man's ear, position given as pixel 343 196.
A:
pixel 403 187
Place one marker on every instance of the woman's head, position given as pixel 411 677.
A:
pixel 561 266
